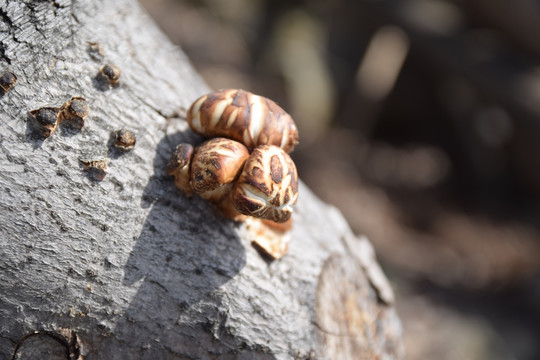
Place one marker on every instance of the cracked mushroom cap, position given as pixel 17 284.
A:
pixel 268 185
pixel 77 107
pixel 250 119
pixel 216 164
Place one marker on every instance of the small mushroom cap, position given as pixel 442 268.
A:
pixel 95 48
pixel 8 81
pixel 268 185
pixel 77 107
pixel 125 139
pixel 111 72
pixel 97 169
pixel 46 116
pixel 179 166
pixel 250 119
pixel 217 163
pixel 180 158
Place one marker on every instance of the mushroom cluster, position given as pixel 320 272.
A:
pixel 48 118
pixel 244 168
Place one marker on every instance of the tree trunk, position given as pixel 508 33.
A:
pixel 128 267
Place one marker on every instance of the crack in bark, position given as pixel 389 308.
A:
pixel 5 18
pixel 3 55
pixel 74 17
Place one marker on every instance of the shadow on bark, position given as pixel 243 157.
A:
pixel 180 263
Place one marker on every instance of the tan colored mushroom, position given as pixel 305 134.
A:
pixel 268 185
pixel 179 166
pixel 75 110
pixel 245 117
pixel 216 164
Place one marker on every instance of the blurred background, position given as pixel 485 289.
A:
pixel 420 120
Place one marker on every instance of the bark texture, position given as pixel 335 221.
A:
pixel 128 267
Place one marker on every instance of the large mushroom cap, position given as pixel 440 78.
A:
pixel 268 185
pixel 245 117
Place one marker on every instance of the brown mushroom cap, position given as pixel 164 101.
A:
pixel 245 117
pixel 179 166
pixel 217 163
pixel 268 185
pixel 7 81
pixel 75 111
pixel 125 139
pixel 47 119
pixel 77 107
pixel 111 73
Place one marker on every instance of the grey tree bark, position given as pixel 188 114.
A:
pixel 127 267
